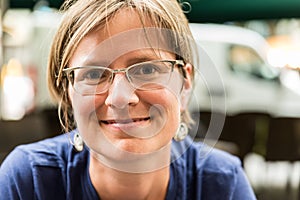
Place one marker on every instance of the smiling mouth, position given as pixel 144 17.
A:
pixel 125 121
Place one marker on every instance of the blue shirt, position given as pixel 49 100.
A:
pixel 52 169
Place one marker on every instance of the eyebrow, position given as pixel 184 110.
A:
pixel 144 56
pixel 140 59
pixel 129 62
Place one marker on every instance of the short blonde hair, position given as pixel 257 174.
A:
pixel 83 16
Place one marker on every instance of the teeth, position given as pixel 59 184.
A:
pixel 125 121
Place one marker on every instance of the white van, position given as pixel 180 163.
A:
pixel 234 74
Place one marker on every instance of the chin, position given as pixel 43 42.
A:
pixel 133 158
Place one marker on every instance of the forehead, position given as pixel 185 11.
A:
pixel 122 34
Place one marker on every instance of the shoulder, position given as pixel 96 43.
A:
pixel 208 170
pixel 29 166
pixel 215 160
pixel 50 151
pixel 203 160
pixel 204 157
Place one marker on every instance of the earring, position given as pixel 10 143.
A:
pixel 182 132
pixel 77 142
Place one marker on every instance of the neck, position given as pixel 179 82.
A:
pixel 113 184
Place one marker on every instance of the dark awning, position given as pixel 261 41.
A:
pixel 216 10
pixel 30 3
pixel 239 10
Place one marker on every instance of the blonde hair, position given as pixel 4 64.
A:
pixel 83 16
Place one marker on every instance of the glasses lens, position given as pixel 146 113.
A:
pixel 150 75
pixel 91 80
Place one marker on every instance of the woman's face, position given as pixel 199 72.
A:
pixel 124 120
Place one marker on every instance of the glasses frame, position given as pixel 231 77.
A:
pixel 70 76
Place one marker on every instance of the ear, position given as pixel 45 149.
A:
pixel 187 86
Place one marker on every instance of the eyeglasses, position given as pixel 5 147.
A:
pixel 150 75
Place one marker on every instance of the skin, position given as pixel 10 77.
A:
pixel 152 118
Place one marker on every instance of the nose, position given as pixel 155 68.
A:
pixel 121 93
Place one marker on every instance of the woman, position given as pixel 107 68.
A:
pixel 122 73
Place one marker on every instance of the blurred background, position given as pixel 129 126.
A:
pixel 254 47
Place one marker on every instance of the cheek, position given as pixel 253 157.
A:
pixel 162 97
pixel 84 106
pixel 80 104
pixel 172 116
pixel 168 103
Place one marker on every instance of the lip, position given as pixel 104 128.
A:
pixel 126 123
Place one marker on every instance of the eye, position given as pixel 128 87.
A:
pixel 146 69
pixel 93 76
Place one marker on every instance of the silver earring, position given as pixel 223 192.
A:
pixel 182 132
pixel 77 142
